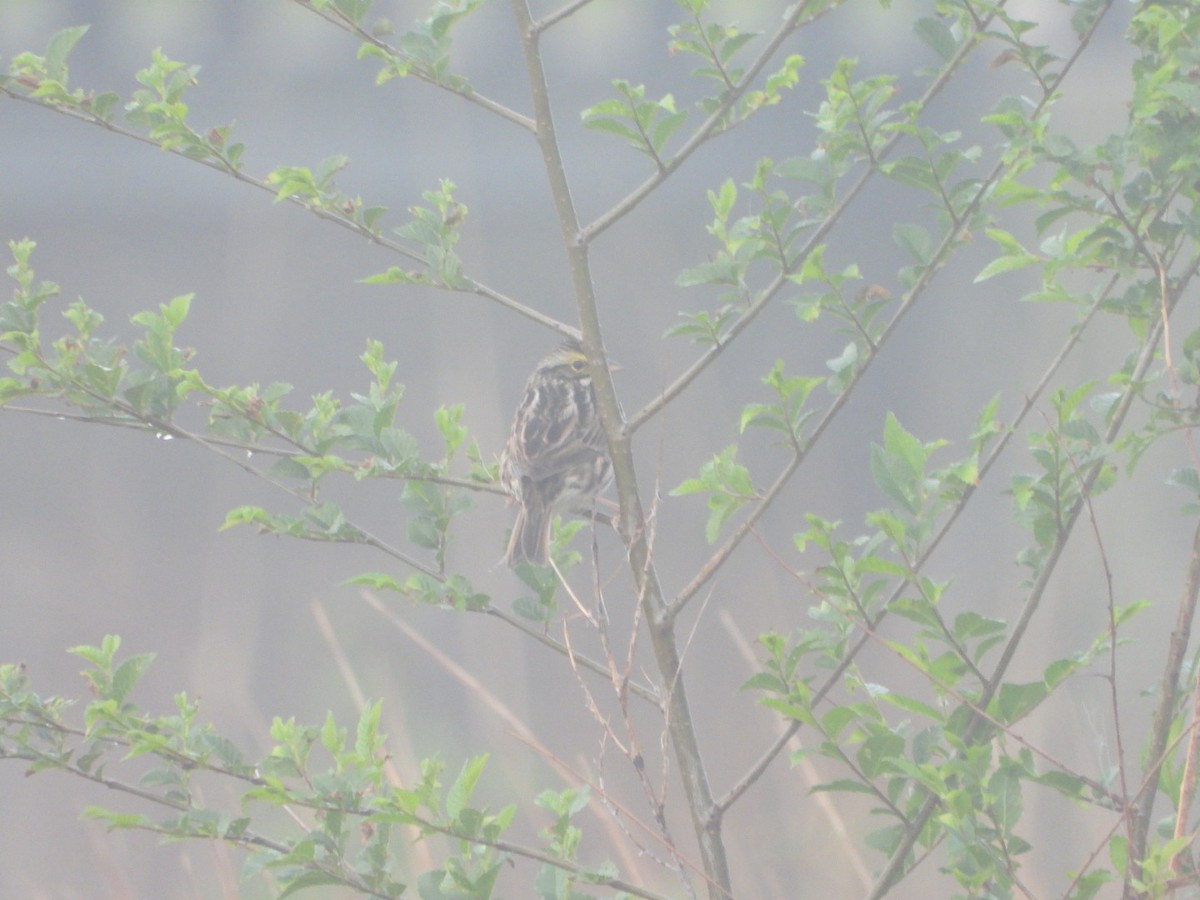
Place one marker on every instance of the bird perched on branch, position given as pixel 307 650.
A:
pixel 557 455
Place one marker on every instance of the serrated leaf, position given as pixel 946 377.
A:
pixel 367 735
pixel 464 785
pixel 128 673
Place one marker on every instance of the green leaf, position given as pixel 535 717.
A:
pixel 915 240
pixel 244 515
pixel 128 673
pixel 728 485
pixel 59 48
pixel 288 467
pixel 378 580
pixel 846 361
pixel 937 35
pixel 464 785
pixel 913 705
pixel 395 275
pixel 1015 701
pixel 613 126
pixel 534 608
pixel 449 423
pixel 845 786
pixel 308 880
pixel 898 467
pixel 1118 852
pixel 1186 478
pixel 1015 256
pixel 367 738
pixel 1006 264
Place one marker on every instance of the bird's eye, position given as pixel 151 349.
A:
pixel 579 365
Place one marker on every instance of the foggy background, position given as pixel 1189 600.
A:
pixel 111 531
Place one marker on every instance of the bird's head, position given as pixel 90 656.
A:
pixel 568 360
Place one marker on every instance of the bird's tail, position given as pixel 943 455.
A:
pixel 530 539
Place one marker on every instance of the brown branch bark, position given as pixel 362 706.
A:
pixel 632 520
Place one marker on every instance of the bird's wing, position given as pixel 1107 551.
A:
pixel 548 439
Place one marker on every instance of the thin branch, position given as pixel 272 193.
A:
pixel 630 748
pixel 559 14
pixel 1102 845
pixel 177 431
pixel 251 839
pixel 827 224
pixel 702 134
pixel 1104 796
pixel 835 820
pixel 633 527
pixel 330 14
pixel 646 693
pixel 517 726
pixel 745 526
pixel 1111 605
pixel 1186 615
pixel 776 747
pixel 1032 602
pixel 253 449
pixel 1164 713
pixel 470 285
pixel 367 537
pixel 641 690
